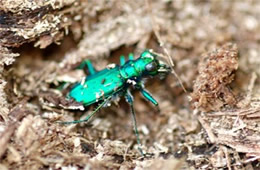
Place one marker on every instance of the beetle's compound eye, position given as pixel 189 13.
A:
pixel 151 67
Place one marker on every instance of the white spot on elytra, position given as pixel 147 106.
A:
pixel 97 96
pixel 110 66
pixel 108 84
pixel 82 81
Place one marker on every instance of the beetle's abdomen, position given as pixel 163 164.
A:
pixel 98 86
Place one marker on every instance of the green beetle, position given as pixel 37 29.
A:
pixel 114 81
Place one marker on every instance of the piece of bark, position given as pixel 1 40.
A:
pixel 211 91
pixel 22 22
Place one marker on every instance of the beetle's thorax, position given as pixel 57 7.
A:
pixel 129 70
pixel 136 68
pixel 146 65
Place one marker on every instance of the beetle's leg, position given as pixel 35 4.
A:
pixel 63 86
pixel 88 64
pixel 122 60
pixel 90 115
pixel 91 68
pixel 130 100
pixel 145 93
pixel 131 56
pixel 148 96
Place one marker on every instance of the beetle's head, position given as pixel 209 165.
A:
pixel 150 64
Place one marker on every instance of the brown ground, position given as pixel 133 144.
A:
pixel 215 46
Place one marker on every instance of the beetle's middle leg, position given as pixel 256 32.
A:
pixel 130 100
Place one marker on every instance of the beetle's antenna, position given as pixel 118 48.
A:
pixel 156 29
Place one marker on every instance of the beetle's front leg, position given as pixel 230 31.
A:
pixel 146 94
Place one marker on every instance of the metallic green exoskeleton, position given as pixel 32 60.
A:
pixel 114 81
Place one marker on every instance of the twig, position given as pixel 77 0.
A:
pixel 5 137
pixel 243 112
pixel 156 29
pixel 208 129
pixel 246 101
pixel 16 114
pixel 225 150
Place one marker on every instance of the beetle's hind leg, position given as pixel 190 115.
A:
pixel 130 100
pixel 90 115
pixel 87 64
